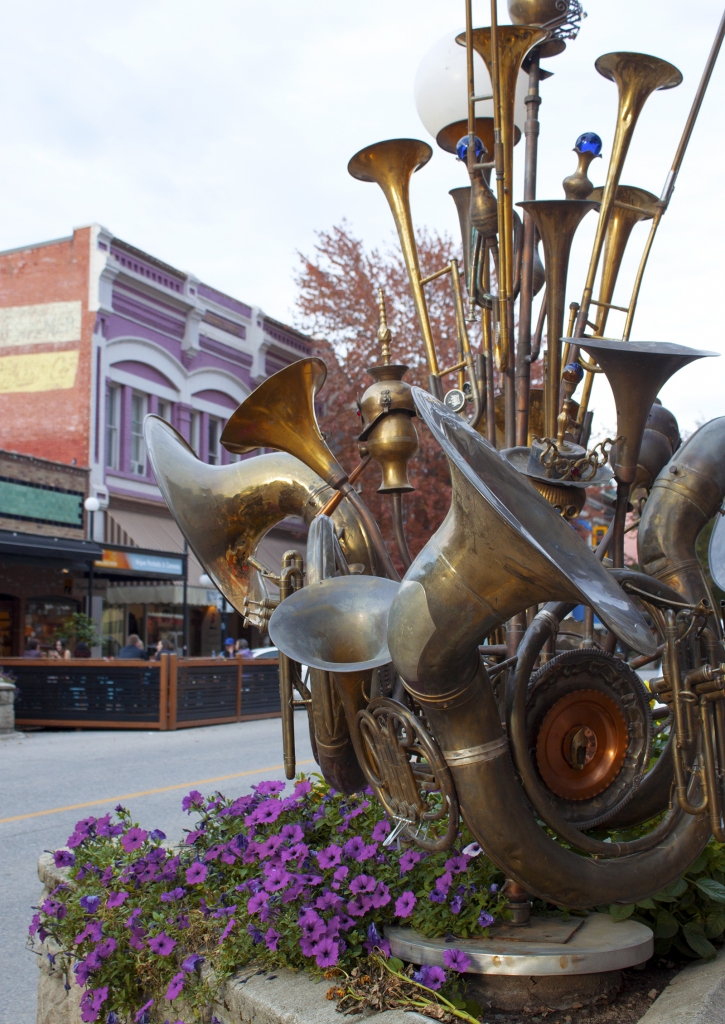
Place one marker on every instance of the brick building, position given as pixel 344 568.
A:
pixel 95 334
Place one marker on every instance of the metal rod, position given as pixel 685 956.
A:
pixel 399 529
pixel 504 241
pixel 669 186
pixel 185 601
pixel 488 349
pixel 526 297
pixel 329 507
pixel 438 273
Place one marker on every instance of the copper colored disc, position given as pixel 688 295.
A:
pixel 585 728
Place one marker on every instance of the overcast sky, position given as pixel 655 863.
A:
pixel 216 136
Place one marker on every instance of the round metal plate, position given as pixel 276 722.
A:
pixel 716 553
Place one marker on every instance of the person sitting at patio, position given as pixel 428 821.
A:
pixel 163 647
pixel 33 648
pixel 81 650
pixel 59 650
pixel 228 651
pixel 134 648
pixel 243 648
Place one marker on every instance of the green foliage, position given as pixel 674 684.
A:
pixel 78 628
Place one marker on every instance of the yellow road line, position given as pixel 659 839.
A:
pixel 145 792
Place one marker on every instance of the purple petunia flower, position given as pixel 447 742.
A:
pixel 408 860
pixel 362 883
pixel 455 960
pixel 157 835
pixel 193 800
pixel 473 850
pixel 175 986
pixel 328 901
pixel 75 840
pixel 271 939
pixel 381 830
pixel 277 879
pixel 431 977
pixel 142 1012
pixel 456 904
pixel 196 873
pixel 381 896
pixel 64 859
pixel 137 938
pixel 293 833
pixel 192 961
pixel 107 948
pixel 257 936
pixel 269 788
pixel 265 814
pixel 405 904
pixel 90 903
pixel 302 789
pixel 456 865
pixel 330 857
pixel 354 847
pixel 485 920
pixel 327 953
pixel 241 805
pixel 173 895
pixel 34 925
pixel 91 1002
pixel 162 944
pixel 134 839
pixel 359 906
pixel 493 889
pixel 436 897
pixel 256 902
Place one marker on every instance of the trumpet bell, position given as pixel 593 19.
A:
pixel 281 414
pixel 637 75
pixel 636 370
pixel 337 625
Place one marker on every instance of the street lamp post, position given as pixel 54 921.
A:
pixel 91 505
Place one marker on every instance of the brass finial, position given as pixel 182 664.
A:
pixel 384 334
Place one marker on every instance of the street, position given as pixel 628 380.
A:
pixel 53 771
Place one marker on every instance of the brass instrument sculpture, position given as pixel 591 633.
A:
pixel 407 691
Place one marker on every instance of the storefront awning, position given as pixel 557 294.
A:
pixel 159 593
pixel 29 545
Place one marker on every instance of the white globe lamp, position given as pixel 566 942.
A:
pixel 441 88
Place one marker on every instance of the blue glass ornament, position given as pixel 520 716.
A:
pixel 589 142
pixel 573 372
pixel 462 148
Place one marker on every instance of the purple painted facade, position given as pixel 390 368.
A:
pixel 217 372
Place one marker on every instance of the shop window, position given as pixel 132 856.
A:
pixel 165 622
pixel 46 618
pixel 215 430
pixel 7 610
pixel 113 630
pixel 113 420
pixel 138 448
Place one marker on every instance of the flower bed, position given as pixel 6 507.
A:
pixel 302 880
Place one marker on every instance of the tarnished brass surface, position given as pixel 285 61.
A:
pixel 636 370
pixel 500 549
pixel 534 12
pixel 685 496
pixel 391 164
pixel 567 501
pixel 281 414
pixel 557 221
pixel 514 42
pixel 578 185
pixel 224 511
pixel 337 625
pixel 449 137
pixel 419 796
pixel 637 76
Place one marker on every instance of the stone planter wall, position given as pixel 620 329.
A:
pixel 7 709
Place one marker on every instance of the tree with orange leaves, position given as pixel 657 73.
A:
pixel 337 305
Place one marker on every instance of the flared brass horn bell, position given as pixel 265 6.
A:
pixel 281 414
pixel 636 370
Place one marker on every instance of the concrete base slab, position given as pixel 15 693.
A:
pixel 600 945
pixel 695 996
pixel 547 992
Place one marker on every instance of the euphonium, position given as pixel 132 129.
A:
pixel 499 550
pixel 224 512
pixel 637 76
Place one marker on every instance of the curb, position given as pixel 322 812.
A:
pixel 695 996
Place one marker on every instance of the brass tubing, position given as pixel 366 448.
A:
pixel 712 781
pixel 684 740
pixel 488 352
pixel 523 346
pixel 286 693
pixel 636 75
pixel 399 529
pixel 465 344
pixel 674 171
